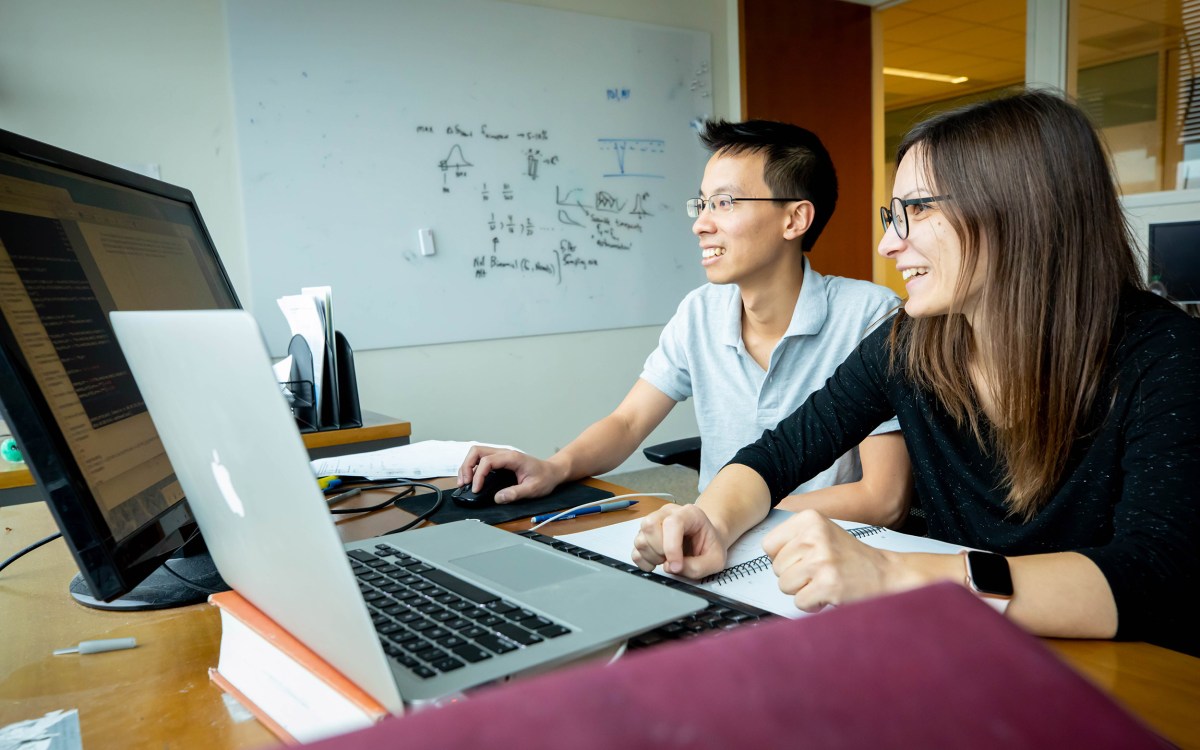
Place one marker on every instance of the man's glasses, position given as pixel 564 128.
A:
pixel 723 203
pixel 897 215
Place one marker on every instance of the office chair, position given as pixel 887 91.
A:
pixel 686 452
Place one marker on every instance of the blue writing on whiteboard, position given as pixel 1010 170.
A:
pixel 636 157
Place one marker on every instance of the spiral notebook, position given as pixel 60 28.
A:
pixel 748 576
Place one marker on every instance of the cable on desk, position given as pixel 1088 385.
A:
pixel 190 584
pixel 425 516
pixel 408 486
pixel 29 549
pixel 601 501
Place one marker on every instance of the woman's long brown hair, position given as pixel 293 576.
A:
pixel 1029 181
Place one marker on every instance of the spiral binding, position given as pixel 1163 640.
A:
pixel 863 531
pixel 743 570
pixel 761 563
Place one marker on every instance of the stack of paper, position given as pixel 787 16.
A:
pixel 310 316
pixel 422 460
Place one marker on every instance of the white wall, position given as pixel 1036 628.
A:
pixel 148 82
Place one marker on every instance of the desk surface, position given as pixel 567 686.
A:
pixel 159 693
pixel 376 428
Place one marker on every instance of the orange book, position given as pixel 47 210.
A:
pixel 292 691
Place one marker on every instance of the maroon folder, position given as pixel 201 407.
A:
pixel 930 668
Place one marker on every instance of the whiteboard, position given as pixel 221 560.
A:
pixel 548 152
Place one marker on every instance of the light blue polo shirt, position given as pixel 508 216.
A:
pixel 701 355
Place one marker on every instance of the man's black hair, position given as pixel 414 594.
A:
pixel 796 164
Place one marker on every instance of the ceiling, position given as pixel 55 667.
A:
pixel 985 41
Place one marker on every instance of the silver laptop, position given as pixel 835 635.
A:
pixel 208 385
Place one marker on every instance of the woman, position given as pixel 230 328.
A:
pixel 1050 405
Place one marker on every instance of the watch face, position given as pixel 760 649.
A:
pixel 989 573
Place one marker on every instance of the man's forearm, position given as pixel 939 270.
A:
pixel 883 495
pixel 853 501
pixel 600 448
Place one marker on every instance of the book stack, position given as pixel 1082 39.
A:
pixel 290 689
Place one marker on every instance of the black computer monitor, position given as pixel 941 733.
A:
pixel 78 239
pixel 1174 251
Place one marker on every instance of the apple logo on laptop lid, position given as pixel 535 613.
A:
pixel 225 484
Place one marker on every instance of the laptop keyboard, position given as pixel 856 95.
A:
pixel 432 622
pixel 721 613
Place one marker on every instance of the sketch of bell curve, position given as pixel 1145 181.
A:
pixel 634 155
pixel 454 159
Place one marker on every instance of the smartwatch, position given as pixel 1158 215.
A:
pixel 989 577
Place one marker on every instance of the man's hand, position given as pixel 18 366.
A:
pixel 535 477
pixel 682 539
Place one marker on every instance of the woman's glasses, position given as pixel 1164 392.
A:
pixel 897 215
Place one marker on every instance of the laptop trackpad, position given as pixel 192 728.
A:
pixel 522 568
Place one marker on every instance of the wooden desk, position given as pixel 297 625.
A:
pixel 14 475
pixel 378 431
pixel 159 694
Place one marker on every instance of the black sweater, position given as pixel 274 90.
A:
pixel 1129 498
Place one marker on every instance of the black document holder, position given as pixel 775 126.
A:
pixel 338 406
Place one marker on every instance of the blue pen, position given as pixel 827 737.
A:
pixel 604 508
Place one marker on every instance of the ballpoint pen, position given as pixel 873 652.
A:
pixel 603 508
pixel 343 495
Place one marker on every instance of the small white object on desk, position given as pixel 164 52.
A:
pixel 57 730
pixel 97 647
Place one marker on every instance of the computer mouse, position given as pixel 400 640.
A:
pixel 496 480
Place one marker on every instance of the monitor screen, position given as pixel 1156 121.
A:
pixel 79 239
pixel 1175 260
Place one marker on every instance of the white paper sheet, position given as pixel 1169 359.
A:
pixel 306 317
pixel 421 460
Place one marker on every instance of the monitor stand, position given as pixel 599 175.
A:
pixel 161 589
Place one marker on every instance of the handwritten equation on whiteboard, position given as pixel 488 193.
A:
pixel 541 219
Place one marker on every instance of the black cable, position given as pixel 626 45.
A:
pixel 392 499
pixel 437 505
pixel 362 483
pixel 186 582
pixel 409 486
pixel 190 584
pixel 29 549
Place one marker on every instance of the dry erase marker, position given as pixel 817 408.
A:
pixel 604 508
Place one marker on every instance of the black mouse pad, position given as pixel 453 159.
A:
pixel 564 496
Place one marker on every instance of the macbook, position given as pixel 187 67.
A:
pixel 411 618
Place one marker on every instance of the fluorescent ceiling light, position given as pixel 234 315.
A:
pixel 923 75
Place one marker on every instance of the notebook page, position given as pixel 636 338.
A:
pixel 754 583
pixel 760 589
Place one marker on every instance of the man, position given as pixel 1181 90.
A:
pixel 753 343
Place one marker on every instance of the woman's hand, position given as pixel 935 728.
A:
pixel 682 539
pixel 819 563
